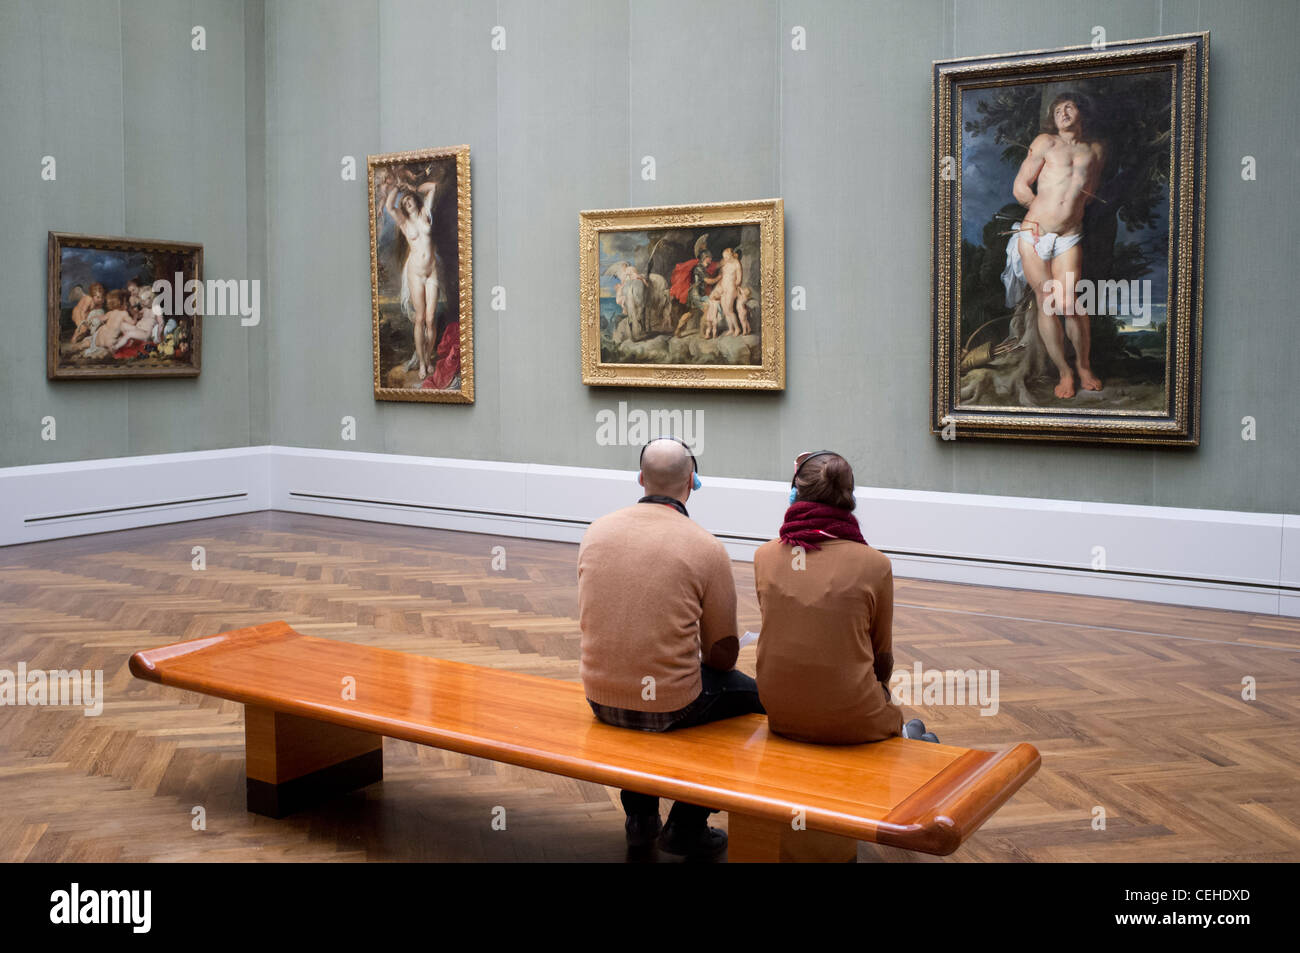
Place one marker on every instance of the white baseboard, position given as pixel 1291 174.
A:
pixel 1207 558
pixel 53 500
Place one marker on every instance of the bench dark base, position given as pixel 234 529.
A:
pixel 294 762
pixel 290 797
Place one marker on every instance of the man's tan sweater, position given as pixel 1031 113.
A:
pixel 654 590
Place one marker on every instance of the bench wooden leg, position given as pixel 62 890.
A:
pixel 293 762
pixel 759 840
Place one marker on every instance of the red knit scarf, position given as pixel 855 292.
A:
pixel 806 524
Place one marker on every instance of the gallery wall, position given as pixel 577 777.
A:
pixel 148 140
pixel 559 121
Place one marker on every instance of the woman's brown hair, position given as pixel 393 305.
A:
pixel 828 479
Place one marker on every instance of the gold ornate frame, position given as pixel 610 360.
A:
pixel 54 261
pixel 768 215
pixel 465 265
pixel 1186 56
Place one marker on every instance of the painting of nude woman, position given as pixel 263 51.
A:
pixel 420 275
pixel 1069 202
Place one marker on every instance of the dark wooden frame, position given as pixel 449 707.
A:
pixel 1187 55
pixel 57 242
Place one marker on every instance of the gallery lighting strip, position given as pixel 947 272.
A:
pixel 1268 586
pixel 437 509
pixel 138 507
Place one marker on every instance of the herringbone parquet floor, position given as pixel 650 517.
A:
pixel 1136 708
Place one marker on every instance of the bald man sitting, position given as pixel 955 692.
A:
pixel 657 608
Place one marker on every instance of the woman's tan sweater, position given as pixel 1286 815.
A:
pixel 826 647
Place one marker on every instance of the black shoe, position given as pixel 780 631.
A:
pixel 702 841
pixel 914 729
pixel 642 830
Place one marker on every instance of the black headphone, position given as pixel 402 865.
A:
pixel 695 465
pixel 794 493
pixel 815 453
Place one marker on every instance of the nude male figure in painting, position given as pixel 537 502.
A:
pixel 1065 166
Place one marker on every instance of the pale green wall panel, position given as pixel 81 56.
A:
pixel 61 90
pixel 563 132
pixel 855 158
pixel 149 139
pixel 184 172
pixel 322 105
pixel 438 77
pixel 1252 334
pixel 258 338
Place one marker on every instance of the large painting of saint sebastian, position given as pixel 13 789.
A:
pixel 1069 205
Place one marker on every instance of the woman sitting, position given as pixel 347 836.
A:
pixel 827 598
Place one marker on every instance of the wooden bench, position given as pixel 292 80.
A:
pixel 305 741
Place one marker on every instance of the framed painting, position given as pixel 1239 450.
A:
pixel 123 307
pixel 1069 231
pixel 684 296
pixel 421 275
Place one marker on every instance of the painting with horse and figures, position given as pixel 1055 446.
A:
pixel 686 297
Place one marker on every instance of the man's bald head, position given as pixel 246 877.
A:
pixel 666 469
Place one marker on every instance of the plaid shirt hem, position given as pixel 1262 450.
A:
pixel 640 720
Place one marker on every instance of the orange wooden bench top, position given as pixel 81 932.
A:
pixel 908 794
